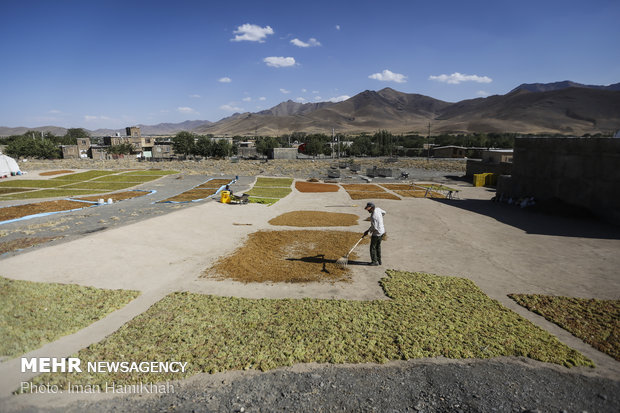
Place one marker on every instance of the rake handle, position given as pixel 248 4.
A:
pixel 356 244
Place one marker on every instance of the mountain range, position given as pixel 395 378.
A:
pixel 159 129
pixel 547 87
pixel 562 107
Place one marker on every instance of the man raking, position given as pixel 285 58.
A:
pixel 376 232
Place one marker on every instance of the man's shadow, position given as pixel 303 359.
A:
pixel 320 259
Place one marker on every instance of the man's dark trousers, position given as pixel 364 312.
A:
pixel 375 248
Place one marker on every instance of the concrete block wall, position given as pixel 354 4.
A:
pixel 283 153
pixel 580 171
pixel 477 166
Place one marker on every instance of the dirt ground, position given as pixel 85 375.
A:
pixel 302 169
pixel 502 248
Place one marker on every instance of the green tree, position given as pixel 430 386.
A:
pixel 21 147
pixel 204 146
pixel 314 146
pixel 361 145
pixel 265 143
pixel 184 143
pixel 383 143
pixel 73 134
pixel 27 147
pixel 222 148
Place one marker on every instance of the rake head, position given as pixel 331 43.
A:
pixel 342 262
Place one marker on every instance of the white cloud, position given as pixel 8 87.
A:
pixel 90 118
pixel 185 109
pixel 301 100
pixel 315 92
pixel 338 98
pixel 164 111
pixel 224 80
pixel 482 93
pixel 55 112
pixel 285 91
pixel 231 108
pixel 456 78
pixel 251 33
pixel 279 61
pixel 248 99
pixel 304 90
pixel 317 98
pixel 312 42
pixel 262 98
pixel 195 96
pixel 388 76
pixel 337 27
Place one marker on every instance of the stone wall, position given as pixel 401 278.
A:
pixel 584 172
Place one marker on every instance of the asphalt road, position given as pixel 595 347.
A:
pixel 438 385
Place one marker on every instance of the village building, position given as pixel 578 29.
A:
pixel 247 149
pixel 497 161
pixel 450 151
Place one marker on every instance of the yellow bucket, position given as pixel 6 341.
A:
pixel 225 197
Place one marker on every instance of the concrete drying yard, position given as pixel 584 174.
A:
pixel 158 249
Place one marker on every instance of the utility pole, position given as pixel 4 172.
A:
pixel 337 143
pixel 428 142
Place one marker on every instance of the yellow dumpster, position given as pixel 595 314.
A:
pixel 479 179
pixel 225 197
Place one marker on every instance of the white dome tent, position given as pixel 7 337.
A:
pixel 8 166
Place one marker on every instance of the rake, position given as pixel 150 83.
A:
pixel 344 260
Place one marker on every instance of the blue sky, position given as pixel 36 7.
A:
pixel 111 64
